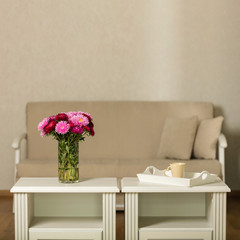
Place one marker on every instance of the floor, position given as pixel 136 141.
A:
pixel 7 219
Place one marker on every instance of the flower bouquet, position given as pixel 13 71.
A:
pixel 68 129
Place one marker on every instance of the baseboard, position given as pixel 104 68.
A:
pixel 5 193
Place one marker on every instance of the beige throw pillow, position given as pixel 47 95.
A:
pixel 177 138
pixel 207 137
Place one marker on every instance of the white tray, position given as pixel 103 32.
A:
pixel 154 175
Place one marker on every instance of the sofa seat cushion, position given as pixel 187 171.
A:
pixel 37 168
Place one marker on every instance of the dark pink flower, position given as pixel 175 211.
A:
pixel 91 125
pixel 52 118
pixel 77 129
pixel 87 128
pixel 71 124
pixel 61 117
pixel 51 126
pixel 87 115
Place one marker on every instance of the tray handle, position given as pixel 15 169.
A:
pixel 151 170
pixel 204 175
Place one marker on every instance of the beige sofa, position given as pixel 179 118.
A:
pixel 127 138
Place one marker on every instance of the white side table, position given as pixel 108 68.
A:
pixel 154 211
pixel 47 209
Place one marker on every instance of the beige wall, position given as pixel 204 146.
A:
pixel 119 50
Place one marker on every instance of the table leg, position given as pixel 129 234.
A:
pixel 21 216
pixel 131 216
pixel 219 216
pixel 109 216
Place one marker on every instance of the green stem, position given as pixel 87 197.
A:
pixel 68 160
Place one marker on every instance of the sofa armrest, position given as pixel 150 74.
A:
pixel 222 141
pixel 16 145
pixel 17 141
pixel 222 144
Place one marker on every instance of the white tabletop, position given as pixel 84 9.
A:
pixel 51 185
pixel 133 185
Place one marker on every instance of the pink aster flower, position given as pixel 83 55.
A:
pixel 77 129
pixel 62 127
pixel 79 120
pixel 43 124
pixel 71 114
pixel 42 134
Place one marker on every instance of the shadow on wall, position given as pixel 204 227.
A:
pixel 232 157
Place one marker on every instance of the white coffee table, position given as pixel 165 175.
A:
pixel 47 209
pixel 154 211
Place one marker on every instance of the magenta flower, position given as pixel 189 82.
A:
pixel 62 127
pixel 77 129
pixel 51 118
pixel 43 124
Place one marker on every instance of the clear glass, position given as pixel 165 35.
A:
pixel 68 163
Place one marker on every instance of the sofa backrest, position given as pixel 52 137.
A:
pixel 124 130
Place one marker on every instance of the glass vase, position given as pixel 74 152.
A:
pixel 68 162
